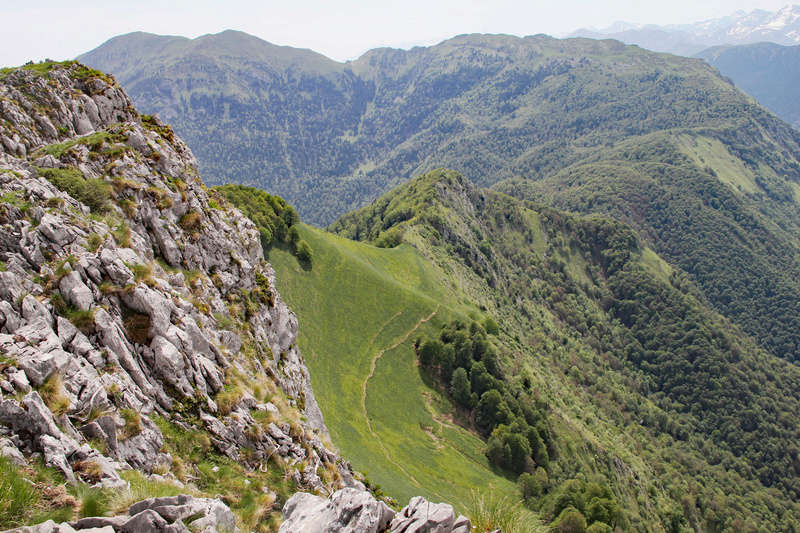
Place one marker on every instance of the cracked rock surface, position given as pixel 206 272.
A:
pixel 123 284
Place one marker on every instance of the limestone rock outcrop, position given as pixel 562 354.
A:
pixel 173 514
pixel 356 511
pixel 132 296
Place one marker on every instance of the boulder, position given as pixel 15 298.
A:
pixel 347 510
pixel 422 516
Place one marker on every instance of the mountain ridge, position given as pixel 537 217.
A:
pixel 781 27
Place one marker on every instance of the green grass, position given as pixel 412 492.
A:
pixel 710 153
pixel 355 303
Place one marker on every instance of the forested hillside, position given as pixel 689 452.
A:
pixel 330 137
pixel 641 387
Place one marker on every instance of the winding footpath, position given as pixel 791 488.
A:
pixel 373 364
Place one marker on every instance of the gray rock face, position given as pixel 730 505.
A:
pixel 175 514
pixel 118 313
pixel 422 516
pixel 75 292
pixel 356 511
pixel 347 511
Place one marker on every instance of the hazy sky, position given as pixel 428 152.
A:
pixel 341 29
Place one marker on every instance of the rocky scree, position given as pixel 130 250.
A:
pixel 132 297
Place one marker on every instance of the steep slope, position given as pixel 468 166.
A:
pixel 145 349
pixel 649 392
pixel 759 25
pixel 722 210
pixel 769 72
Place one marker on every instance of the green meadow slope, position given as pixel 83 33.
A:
pixel 360 310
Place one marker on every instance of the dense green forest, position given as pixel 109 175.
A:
pixel 739 244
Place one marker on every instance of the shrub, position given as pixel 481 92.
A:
pixel 570 521
pixel 93 242
pixel 191 221
pixel 303 251
pixel 227 399
pixel 122 234
pixel 529 486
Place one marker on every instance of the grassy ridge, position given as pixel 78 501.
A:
pixel 355 302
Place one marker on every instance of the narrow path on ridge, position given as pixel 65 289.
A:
pixel 373 363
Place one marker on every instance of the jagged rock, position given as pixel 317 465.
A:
pixel 462 525
pixel 54 230
pixel 75 291
pixel 422 516
pixel 9 451
pixel 19 381
pixel 347 510
pixel 175 514
pixel 44 527
pixel 151 342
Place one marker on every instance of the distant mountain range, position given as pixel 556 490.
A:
pixel 781 27
pixel 769 72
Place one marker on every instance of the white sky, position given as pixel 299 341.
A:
pixel 340 29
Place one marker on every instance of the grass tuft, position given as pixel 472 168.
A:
pixel 54 395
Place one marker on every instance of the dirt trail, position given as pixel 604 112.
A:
pixel 373 364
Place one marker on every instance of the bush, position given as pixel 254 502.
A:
pixel 570 521
pixel 529 486
pixel 94 241
pixel 133 424
pixel 191 221
pixel 303 251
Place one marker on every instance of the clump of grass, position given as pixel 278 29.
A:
pixel 122 234
pixel 55 202
pixel 128 206
pixel 89 471
pixel 489 512
pixel 141 488
pixel 142 272
pixel 54 395
pixel 132 426
pixel 83 320
pixel 93 242
pixel 93 192
pixel 191 221
pixel 92 501
pixel 17 496
pixel 227 399
pixel 201 306
pixel 160 196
